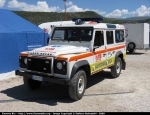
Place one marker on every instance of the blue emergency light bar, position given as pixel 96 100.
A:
pixel 88 19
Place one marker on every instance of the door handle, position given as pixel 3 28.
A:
pixel 104 55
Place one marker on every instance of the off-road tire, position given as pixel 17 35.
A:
pixel 31 84
pixel 116 68
pixel 131 47
pixel 131 51
pixel 77 85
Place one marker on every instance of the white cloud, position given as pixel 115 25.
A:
pixel 117 13
pixel 41 6
pixel 99 12
pixel 141 11
pixel 69 3
pixel 2 2
pixel 75 8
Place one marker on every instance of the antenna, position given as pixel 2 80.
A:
pixel 65 18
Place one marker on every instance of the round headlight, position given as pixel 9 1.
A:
pixel 59 65
pixel 25 61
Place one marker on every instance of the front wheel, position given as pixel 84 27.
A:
pixel 77 85
pixel 116 68
pixel 31 84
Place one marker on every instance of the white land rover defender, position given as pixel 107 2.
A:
pixel 75 51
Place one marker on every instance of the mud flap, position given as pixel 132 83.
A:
pixel 123 65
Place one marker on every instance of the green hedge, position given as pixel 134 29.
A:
pixel 42 17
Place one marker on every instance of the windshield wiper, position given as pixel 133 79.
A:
pixel 68 40
pixel 80 40
pixel 60 38
pixel 74 40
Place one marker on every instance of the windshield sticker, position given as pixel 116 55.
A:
pixel 56 46
pixel 109 54
pixel 87 49
pixel 39 51
pixel 98 57
pixel 49 48
pixel 42 53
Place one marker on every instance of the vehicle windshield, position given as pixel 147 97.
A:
pixel 72 34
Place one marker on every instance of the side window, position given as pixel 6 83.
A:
pixel 119 36
pixel 109 35
pixel 99 38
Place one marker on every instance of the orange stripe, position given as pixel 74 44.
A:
pixel 37 56
pixel 80 56
pixel 119 47
pixel 61 58
pixel 24 54
pixel 49 58
pixel 41 57
pixel 100 51
pixel 97 52
pixel 111 49
pixel 116 48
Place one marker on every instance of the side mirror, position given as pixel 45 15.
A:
pixel 95 47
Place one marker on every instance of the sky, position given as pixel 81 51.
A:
pixel 106 8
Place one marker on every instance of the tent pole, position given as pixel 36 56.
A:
pixel 44 37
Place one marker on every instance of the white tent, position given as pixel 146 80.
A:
pixel 48 25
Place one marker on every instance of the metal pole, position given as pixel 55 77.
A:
pixel 65 9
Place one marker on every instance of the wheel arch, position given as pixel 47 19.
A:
pixel 83 64
pixel 120 54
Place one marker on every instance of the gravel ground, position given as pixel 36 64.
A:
pixel 128 93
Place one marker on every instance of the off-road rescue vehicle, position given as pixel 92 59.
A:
pixel 75 52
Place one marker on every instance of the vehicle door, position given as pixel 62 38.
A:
pixel 110 47
pixel 99 50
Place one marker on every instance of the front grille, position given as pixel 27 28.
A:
pixel 39 65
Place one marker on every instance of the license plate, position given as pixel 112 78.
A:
pixel 38 78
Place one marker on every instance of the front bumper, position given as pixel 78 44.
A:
pixel 45 78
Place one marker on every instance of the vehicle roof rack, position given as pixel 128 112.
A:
pixel 79 21
pixel 88 19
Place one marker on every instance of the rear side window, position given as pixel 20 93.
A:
pixel 109 35
pixel 119 34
